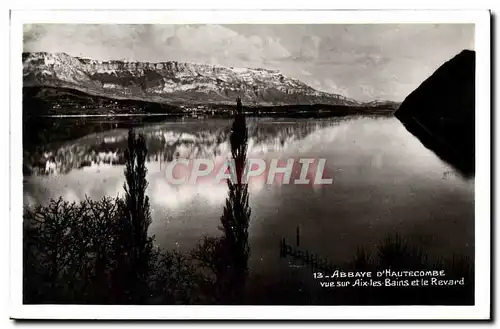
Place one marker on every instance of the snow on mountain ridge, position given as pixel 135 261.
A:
pixel 171 81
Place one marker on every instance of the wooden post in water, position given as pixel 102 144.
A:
pixel 282 248
pixel 298 237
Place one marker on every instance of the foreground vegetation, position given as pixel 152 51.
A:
pixel 99 252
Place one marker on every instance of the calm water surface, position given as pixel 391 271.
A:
pixel 384 181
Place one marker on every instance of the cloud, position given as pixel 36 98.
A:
pixel 368 91
pixel 331 86
pixel 327 85
pixel 224 45
pixel 192 43
pixel 309 48
pixel 88 40
pixel 305 72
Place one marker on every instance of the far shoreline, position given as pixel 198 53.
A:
pixel 274 114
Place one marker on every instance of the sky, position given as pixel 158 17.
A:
pixel 361 61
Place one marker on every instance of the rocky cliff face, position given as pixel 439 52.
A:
pixel 441 112
pixel 171 82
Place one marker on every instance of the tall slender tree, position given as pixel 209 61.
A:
pixel 235 219
pixel 134 246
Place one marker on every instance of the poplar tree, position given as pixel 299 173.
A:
pixel 236 217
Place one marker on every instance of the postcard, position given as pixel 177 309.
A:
pixel 250 164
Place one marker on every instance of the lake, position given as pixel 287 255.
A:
pixel 384 181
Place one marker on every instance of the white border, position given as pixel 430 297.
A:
pixel 246 16
pixel 481 310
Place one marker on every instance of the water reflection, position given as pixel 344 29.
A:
pixel 384 181
pixel 166 141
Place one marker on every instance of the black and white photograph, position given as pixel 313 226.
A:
pixel 300 163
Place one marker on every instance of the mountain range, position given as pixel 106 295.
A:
pixel 171 83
